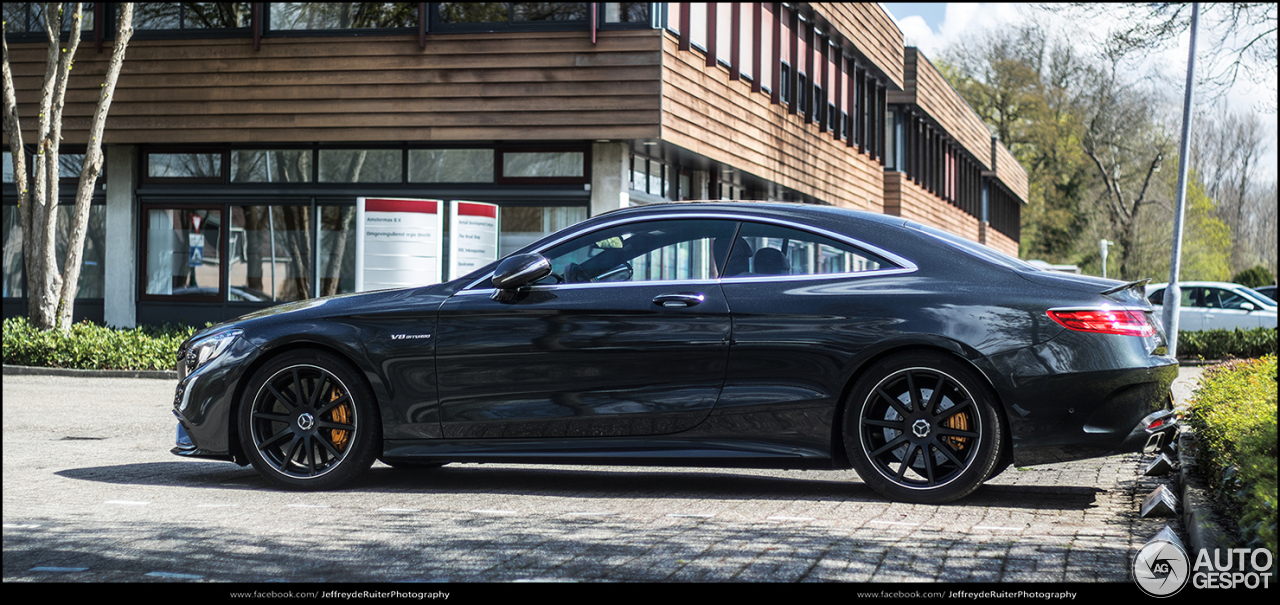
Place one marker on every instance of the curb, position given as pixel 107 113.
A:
pixel 1203 532
pixel 10 370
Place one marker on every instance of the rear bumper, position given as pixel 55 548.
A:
pixel 1074 400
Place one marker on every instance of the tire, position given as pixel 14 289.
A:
pixel 922 427
pixel 307 421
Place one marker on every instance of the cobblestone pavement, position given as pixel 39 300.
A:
pixel 92 494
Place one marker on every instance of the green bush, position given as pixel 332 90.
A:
pixel 87 346
pixel 1255 278
pixel 1234 414
pixel 1226 344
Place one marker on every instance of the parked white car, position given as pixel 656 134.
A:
pixel 1208 305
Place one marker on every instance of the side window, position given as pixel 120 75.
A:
pixel 775 250
pixel 1193 297
pixel 663 250
pixel 1231 300
pixel 1157 297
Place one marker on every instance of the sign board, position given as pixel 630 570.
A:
pixel 473 236
pixel 398 243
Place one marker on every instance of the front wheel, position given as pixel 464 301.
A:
pixel 307 421
pixel 922 427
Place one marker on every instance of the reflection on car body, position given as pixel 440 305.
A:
pixel 698 334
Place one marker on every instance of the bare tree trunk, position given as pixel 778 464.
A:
pixel 51 293
pixel 92 168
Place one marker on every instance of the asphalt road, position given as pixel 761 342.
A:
pixel 92 494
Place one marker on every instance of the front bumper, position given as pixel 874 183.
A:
pixel 204 405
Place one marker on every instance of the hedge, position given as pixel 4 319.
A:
pixel 88 346
pixel 1234 415
pixel 1225 344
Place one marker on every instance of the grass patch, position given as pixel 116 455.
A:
pixel 1234 414
pixel 87 346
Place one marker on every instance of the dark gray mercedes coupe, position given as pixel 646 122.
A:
pixel 696 334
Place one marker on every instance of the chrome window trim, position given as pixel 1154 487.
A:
pixel 624 284
pixel 904 265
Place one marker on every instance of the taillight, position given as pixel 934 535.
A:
pixel 1105 321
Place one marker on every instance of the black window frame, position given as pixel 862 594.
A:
pixel 112 14
pixel 499 164
pixel 436 25
pixel 87 34
pixel 264 26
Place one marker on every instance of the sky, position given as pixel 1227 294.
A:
pixel 935 27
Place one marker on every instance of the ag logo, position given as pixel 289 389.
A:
pixel 1161 568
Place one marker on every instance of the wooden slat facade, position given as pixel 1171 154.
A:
pixel 1000 242
pixel 925 88
pixel 871 30
pixel 1010 172
pixel 908 200
pixel 507 86
pixel 707 113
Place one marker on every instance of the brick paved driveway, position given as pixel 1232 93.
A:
pixel 92 494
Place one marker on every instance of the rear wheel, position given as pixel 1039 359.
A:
pixel 922 427
pixel 307 421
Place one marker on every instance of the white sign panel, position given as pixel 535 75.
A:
pixel 398 243
pixel 473 236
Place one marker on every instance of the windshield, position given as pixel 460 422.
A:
pixel 1256 297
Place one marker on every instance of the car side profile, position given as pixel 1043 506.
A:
pixel 1218 306
pixel 763 335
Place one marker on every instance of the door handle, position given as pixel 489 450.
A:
pixel 676 301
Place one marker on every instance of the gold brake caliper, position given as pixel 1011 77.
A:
pixel 342 415
pixel 959 422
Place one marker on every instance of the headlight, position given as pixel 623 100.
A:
pixel 208 349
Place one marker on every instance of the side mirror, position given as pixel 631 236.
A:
pixel 517 271
pixel 1247 306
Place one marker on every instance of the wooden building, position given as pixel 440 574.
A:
pixel 256 126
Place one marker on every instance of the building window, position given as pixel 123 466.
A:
pixel 270 256
pixel 361 165
pixel 182 253
pixel 451 165
pixel 523 225
pixel 28 18
pixel 626 13
pixel 301 16
pixel 653 177
pixel 92 270
pixel 271 165
pixel 190 166
pixel 337 250
pixel 698 25
pixel 191 15
pixel 501 16
pixel 550 166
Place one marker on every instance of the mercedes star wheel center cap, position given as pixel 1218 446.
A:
pixel 306 421
pixel 920 428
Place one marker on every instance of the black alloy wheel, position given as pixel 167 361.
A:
pixel 922 427
pixel 308 422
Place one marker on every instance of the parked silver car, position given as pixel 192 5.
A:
pixel 1218 306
